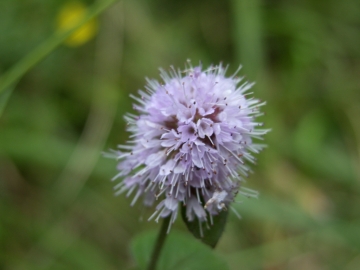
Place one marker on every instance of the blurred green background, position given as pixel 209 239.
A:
pixel 57 209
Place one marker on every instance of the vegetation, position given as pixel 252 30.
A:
pixel 62 104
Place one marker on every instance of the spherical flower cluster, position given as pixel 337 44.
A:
pixel 190 143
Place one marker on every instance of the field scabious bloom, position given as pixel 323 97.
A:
pixel 190 143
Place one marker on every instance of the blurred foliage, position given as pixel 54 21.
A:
pixel 68 16
pixel 56 201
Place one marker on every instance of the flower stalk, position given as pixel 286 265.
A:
pixel 159 244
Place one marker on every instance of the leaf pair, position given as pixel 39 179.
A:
pixel 211 233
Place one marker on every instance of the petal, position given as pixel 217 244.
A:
pixel 168 167
pixel 204 127
pixel 180 167
pixel 216 128
pixel 171 203
pixel 155 159
pixel 196 158
pixel 187 132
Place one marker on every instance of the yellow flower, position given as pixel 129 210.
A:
pixel 69 15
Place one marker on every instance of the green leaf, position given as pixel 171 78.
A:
pixel 180 252
pixel 211 232
pixel 4 97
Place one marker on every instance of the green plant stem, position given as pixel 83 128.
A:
pixel 159 244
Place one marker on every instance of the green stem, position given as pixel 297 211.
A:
pixel 159 243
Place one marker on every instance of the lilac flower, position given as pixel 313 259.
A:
pixel 190 143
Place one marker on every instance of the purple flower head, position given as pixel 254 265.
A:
pixel 190 143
